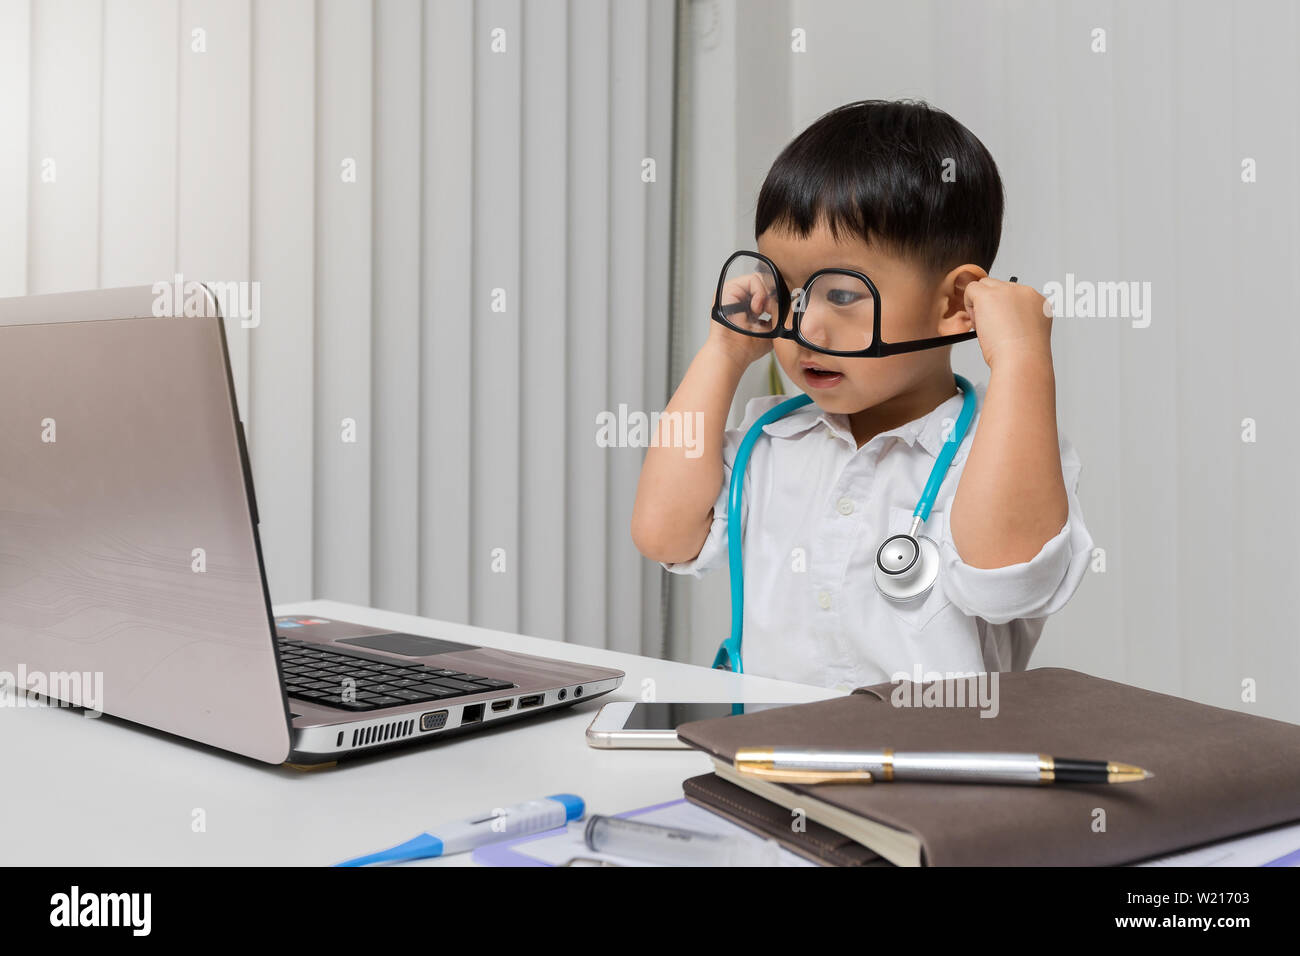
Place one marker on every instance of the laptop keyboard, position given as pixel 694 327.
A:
pixel 318 674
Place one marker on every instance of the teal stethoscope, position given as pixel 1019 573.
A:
pixel 907 565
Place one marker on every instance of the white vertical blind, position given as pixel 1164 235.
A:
pixel 495 308
pixel 547 366
pixel 395 531
pixel 381 170
pixel 280 413
pixel 345 177
pixel 213 154
pixel 63 159
pixel 589 311
pixel 15 172
pixel 446 427
pixel 137 227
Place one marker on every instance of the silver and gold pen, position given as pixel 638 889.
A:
pixel 796 765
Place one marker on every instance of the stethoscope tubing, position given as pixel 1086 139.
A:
pixel 729 653
pixel 731 647
pixel 946 454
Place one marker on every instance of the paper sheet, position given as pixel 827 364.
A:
pixel 557 847
pixel 1277 847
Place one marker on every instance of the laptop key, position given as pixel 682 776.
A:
pixel 356 705
pixel 460 685
pixel 433 692
pixel 492 683
pixel 409 695
pixel 386 701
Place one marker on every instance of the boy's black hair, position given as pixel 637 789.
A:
pixel 875 169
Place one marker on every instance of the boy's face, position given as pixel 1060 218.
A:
pixel 913 305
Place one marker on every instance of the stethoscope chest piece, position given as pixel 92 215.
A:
pixel 906 567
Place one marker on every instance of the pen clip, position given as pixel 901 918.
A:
pixel 805 776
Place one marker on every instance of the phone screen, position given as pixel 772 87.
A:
pixel 667 716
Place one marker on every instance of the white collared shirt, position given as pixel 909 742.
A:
pixel 816 508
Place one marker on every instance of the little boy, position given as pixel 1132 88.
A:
pixel 908 197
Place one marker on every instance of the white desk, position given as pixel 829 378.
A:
pixel 93 792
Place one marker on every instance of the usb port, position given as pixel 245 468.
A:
pixel 532 700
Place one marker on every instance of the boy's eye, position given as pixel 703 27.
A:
pixel 842 296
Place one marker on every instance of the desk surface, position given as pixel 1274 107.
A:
pixel 104 792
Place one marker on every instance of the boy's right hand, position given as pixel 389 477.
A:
pixel 741 350
pixel 758 314
pixel 673 513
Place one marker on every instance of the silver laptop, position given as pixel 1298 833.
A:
pixel 131 577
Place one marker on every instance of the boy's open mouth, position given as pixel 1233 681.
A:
pixel 819 377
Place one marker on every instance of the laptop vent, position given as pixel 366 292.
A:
pixel 382 733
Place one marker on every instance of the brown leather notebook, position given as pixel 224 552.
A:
pixel 1218 773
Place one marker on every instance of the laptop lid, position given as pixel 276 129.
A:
pixel 129 553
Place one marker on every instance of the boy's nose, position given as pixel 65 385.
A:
pixel 816 334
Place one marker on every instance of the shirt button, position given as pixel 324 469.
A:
pixel 824 599
pixel 845 506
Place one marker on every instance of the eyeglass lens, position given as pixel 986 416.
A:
pixel 837 313
pixel 749 299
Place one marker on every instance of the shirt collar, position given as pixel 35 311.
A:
pixel 928 430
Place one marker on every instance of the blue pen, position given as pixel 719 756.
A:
pixel 482 828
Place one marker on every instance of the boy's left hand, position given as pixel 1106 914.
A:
pixel 1009 319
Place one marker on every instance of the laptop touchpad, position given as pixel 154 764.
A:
pixel 408 645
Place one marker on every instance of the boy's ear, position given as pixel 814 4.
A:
pixel 953 317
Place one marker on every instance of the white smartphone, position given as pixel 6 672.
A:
pixel 638 725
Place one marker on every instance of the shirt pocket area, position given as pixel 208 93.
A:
pixel 918 612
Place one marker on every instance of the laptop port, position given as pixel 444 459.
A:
pixel 434 720
pixel 577 691
pixel 501 704
pixel 471 714
pixel 562 694
pixel 532 700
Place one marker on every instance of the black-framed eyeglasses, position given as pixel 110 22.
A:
pixel 836 312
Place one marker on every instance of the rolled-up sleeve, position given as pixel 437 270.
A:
pixel 1038 587
pixel 714 551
